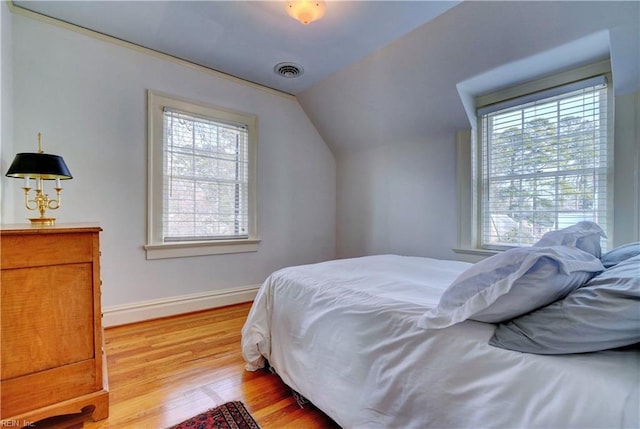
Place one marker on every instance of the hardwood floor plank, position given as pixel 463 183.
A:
pixel 164 371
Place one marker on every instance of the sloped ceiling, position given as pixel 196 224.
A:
pixel 408 92
pixel 246 39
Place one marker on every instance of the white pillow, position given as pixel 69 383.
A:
pixel 512 283
pixel 584 235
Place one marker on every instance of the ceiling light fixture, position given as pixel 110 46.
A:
pixel 306 11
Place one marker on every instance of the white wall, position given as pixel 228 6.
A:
pixel 627 169
pixel 398 198
pixel 88 98
pixel 6 106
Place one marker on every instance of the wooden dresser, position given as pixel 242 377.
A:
pixel 51 349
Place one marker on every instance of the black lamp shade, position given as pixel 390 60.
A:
pixel 39 165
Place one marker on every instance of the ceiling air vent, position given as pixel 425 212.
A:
pixel 289 70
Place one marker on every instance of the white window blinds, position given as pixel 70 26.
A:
pixel 544 163
pixel 205 189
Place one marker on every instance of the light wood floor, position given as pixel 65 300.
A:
pixel 164 371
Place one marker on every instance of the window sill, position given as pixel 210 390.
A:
pixel 475 251
pixel 197 248
pixel 473 254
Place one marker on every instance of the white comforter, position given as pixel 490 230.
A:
pixel 343 334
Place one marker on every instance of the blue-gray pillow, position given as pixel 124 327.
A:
pixel 601 315
pixel 620 253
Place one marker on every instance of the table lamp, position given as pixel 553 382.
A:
pixel 40 166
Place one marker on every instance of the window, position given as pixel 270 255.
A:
pixel 205 178
pixel 201 179
pixel 543 163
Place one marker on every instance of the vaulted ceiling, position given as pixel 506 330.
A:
pixel 247 39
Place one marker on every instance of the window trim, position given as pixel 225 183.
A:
pixel 468 153
pixel 155 247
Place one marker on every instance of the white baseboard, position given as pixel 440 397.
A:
pixel 153 309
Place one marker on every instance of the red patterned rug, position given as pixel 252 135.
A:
pixel 232 415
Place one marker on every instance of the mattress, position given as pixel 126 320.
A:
pixel 344 334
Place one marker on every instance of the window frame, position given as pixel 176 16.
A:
pixel 156 247
pixel 469 156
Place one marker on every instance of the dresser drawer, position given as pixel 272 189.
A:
pixel 21 394
pixel 47 317
pixel 31 250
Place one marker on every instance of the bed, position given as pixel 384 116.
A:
pixel 359 339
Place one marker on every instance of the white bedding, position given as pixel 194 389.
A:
pixel 344 335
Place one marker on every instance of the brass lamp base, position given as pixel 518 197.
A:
pixel 43 221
